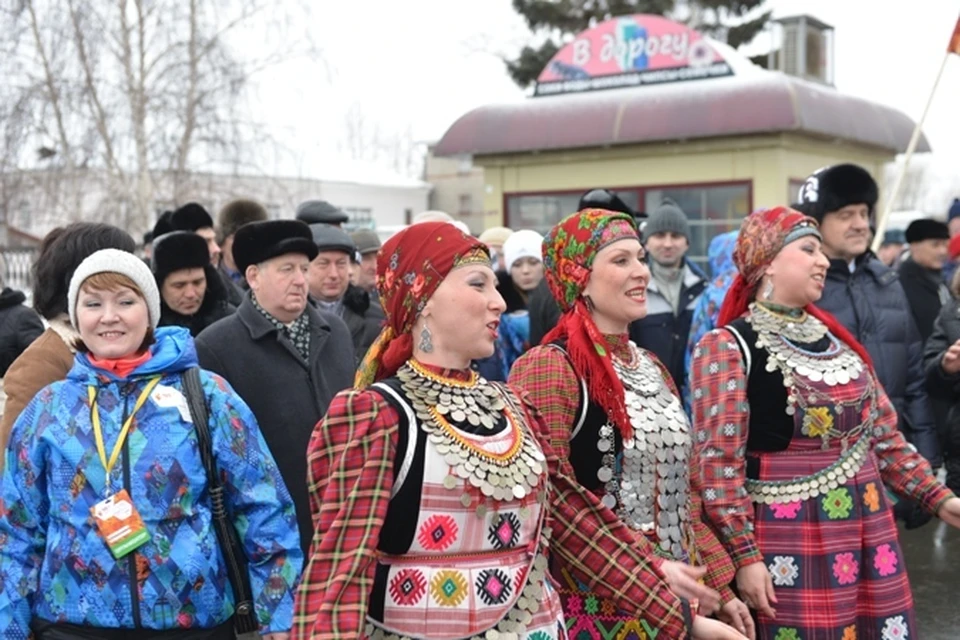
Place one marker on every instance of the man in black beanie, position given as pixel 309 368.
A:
pixel 191 293
pixel 193 217
pixel 921 272
pixel 868 299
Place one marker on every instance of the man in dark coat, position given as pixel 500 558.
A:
pixel 191 292
pixel 673 292
pixel 285 358
pixel 867 298
pixel 19 325
pixel 921 274
pixel 331 290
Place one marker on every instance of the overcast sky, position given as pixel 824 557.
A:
pixel 421 64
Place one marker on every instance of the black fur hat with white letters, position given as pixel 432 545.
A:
pixel 833 188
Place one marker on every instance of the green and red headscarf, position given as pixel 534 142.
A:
pixel 569 250
pixel 410 267
pixel 762 235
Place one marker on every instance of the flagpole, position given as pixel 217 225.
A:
pixel 908 154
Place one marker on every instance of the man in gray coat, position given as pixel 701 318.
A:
pixel 285 358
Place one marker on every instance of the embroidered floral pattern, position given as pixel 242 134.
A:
pixel 837 503
pixel 438 532
pixel 871 498
pixel 817 422
pixel 504 531
pixel 784 571
pixel 787 633
pixel 845 568
pixel 493 586
pixel 885 562
pixel 786 510
pixel 895 628
pixel 448 588
pixel 407 587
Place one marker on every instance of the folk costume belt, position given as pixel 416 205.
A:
pixel 846 467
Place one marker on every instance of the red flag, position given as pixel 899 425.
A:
pixel 955 40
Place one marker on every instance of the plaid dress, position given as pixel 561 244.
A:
pixel 831 548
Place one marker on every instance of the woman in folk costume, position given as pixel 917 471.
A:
pixel 797 439
pixel 617 425
pixel 429 487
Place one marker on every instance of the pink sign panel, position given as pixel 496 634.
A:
pixel 631 51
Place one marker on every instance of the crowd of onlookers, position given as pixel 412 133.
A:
pixel 284 310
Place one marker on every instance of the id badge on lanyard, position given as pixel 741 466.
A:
pixel 117 519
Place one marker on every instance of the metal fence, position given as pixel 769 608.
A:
pixel 16 265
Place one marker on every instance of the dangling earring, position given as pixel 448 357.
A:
pixel 767 290
pixel 589 303
pixel 426 344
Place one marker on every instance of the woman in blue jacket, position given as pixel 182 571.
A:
pixel 106 526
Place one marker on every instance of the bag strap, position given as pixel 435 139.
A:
pixel 584 404
pixel 244 619
pixel 744 349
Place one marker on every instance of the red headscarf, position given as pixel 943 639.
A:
pixel 410 267
pixel 568 253
pixel 762 235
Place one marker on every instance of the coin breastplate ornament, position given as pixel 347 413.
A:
pixel 648 486
pixel 502 472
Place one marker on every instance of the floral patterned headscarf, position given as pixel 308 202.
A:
pixel 568 254
pixel 410 267
pixel 763 234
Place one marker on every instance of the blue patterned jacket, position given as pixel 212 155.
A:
pixel 54 565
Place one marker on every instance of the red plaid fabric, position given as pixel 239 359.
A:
pixel 350 476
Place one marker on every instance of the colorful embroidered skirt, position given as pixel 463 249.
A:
pixel 590 617
pixel 836 563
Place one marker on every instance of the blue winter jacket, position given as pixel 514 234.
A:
pixel 53 563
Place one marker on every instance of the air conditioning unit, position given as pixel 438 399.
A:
pixel 803 47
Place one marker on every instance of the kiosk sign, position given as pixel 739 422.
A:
pixel 631 51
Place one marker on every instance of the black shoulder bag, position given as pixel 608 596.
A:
pixel 244 618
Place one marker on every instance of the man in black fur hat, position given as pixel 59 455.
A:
pixel 866 297
pixel 191 293
pixel 285 358
pixel 193 217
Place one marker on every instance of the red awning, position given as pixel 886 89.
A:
pixel 755 103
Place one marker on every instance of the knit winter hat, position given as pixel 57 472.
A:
pixel 522 244
pixel 927 229
pixel 954 210
pixel 115 261
pixel 665 218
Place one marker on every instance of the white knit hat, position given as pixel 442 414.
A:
pixel 522 244
pixel 116 261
